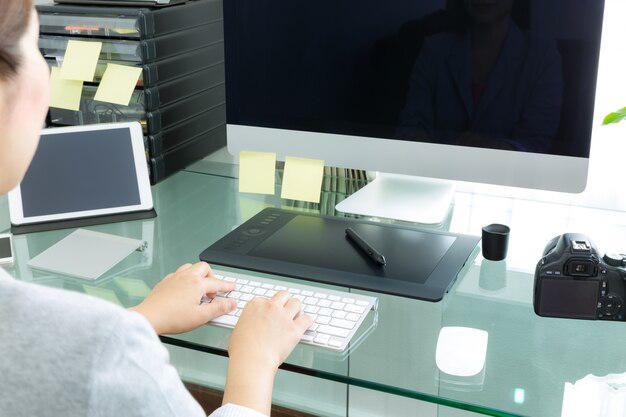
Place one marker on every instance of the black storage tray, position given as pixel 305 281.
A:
pixel 191 151
pixel 173 136
pixel 140 51
pixel 180 88
pixel 165 70
pixel 152 121
pixel 189 107
pixel 127 22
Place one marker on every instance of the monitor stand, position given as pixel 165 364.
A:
pixel 402 197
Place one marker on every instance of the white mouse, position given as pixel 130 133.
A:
pixel 461 351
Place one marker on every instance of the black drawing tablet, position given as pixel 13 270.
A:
pixel 421 263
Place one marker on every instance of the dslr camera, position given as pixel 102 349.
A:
pixel 572 280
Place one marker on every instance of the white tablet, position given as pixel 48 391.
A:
pixel 82 172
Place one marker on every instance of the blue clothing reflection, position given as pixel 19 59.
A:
pixel 518 109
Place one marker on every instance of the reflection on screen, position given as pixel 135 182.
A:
pixel 504 74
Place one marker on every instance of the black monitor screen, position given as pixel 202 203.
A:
pixel 506 74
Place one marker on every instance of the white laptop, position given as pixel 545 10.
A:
pixel 85 173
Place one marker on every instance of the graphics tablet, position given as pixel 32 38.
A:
pixel 83 175
pixel 420 263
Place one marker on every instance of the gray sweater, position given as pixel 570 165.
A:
pixel 68 354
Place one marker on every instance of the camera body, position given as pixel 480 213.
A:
pixel 572 280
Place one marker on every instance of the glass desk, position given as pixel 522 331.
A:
pixel 393 371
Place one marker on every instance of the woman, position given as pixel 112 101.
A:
pixel 490 85
pixel 64 353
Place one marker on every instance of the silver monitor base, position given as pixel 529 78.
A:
pixel 402 197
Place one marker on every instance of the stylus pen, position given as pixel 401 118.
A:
pixel 373 254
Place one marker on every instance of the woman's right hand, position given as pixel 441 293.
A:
pixel 264 336
pixel 268 330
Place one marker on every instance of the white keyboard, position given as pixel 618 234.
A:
pixel 336 315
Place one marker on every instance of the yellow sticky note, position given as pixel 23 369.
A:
pixel 302 179
pixel 64 94
pixel 117 84
pixel 80 60
pixel 257 172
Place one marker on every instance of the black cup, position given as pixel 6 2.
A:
pixel 495 241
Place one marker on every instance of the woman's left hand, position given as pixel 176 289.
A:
pixel 173 305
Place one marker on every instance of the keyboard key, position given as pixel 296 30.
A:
pixel 325 312
pixel 333 331
pixel 311 309
pixel 354 309
pixel 335 343
pixel 225 319
pixel 246 289
pixel 234 294
pixel 246 297
pixel 310 301
pixel 353 317
pixel 259 291
pixel 344 324
pixel 339 314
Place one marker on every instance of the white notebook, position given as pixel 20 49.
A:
pixel 85 254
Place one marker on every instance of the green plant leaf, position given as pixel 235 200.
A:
pixel 615 116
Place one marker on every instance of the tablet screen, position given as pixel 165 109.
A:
pixel 70 174
pixel 81 172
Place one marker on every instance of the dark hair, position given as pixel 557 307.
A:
pixel 13 23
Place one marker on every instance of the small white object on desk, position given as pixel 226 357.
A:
pixel 461 351
pixel 85 254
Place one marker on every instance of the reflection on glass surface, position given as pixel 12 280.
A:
pixel 595 396
pixel 492 275
pixel 519 395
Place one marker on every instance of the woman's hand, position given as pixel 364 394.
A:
pixel 264 336
pixel 268 330
pixel 173 305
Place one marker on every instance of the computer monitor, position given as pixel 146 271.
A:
pixel 489 91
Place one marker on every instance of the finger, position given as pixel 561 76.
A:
pixel 214 286
pixel 293 307
pixel 303 322
pixel 201 268
pixel 281 297
pixel 218 307
pixel 183 267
